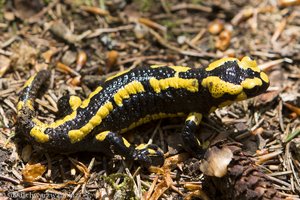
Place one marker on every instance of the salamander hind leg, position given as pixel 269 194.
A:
pixel 190 142
pixel 145 154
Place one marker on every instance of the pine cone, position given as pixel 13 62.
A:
pixel 243 180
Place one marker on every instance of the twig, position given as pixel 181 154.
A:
pixel 6 178
pixel 197 37
pixel 278 181
pixel 99 31
pixel 38 16
pixel 188 6
pixel 279 30
pixel 266 66
pixel 164 43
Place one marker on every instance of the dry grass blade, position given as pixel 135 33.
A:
pixel 45 186
pixel 81 167
pixel 191 7
pixel 95 10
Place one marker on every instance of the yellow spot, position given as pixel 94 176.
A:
pixel 101 136
pixel 250 83
pixel 141 146
pixel 245 63
pixel 218 63
pixel 151 152
pixel 241 96
pixel 86 102
pixel 131 88
pixel 126 143
pixel 149 118
pixel 157 66
pixel 74 102
pixel 78 135
pixel 248 63
pixel 117 75
pixel 179 69
pixel 225 103
pixel 174 82
pixel 38 134
pixel 195 117
pixel 264 77
pixel 217 87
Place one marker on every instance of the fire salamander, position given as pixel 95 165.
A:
pixel 135 97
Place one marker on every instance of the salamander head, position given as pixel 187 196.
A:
pixel 235 79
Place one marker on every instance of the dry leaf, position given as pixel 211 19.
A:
pixel 216 161
pixel 33 172
pixel 81 60
pixel 112 58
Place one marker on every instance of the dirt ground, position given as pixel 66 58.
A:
pixel 83 42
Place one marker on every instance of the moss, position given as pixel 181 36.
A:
pixel 144 5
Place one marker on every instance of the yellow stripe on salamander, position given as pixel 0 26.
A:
pixel 131 88
pixel 27 103
pixel 195 117
pixel 79 134
pixel 174 82
pixel 38 131
pixel 74 102
pixel 29 81
pixel 118 74
pixel 38 134
pixel 149 118
pixel 264 77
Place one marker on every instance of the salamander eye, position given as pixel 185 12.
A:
pixel 251 58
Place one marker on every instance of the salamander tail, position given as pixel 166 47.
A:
pixel 25 106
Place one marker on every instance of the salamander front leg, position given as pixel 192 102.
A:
pixel 145 154
pixel 190 143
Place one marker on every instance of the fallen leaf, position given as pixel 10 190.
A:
pixel 32 172
pixel 216 161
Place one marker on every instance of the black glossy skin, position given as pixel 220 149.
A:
pixel 170 101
